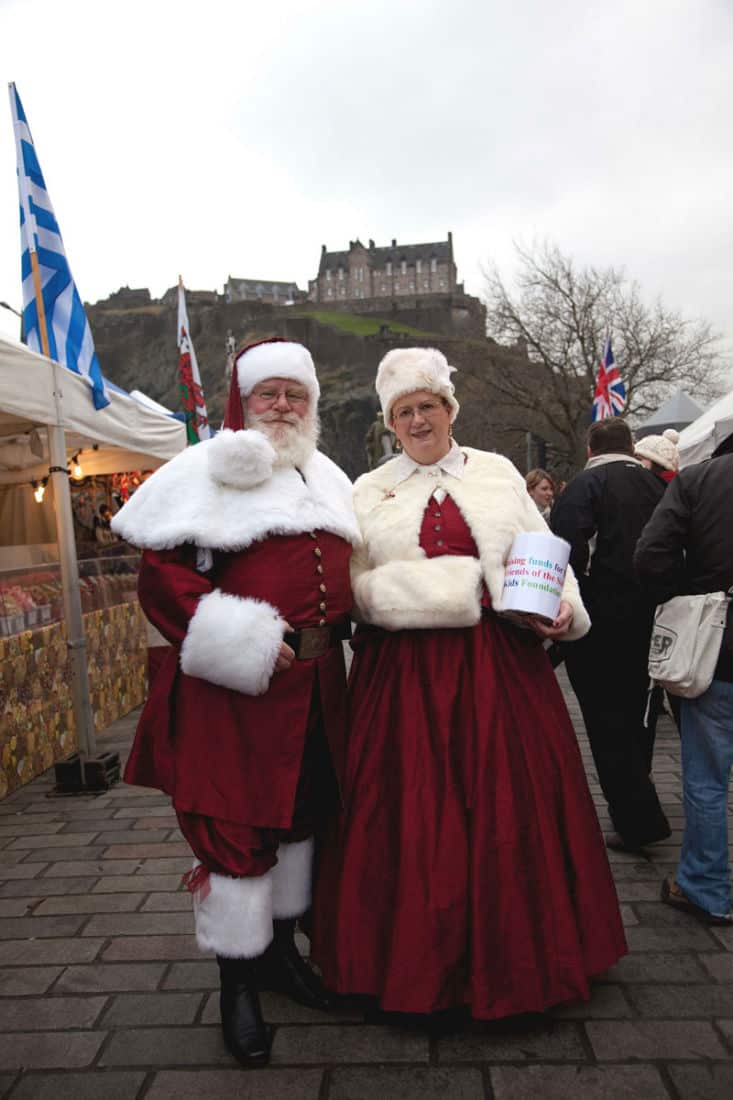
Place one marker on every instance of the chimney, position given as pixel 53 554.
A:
pixel 394 243
pixel 323 249
pixel 371 243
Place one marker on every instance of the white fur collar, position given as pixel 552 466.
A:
pixel 225 494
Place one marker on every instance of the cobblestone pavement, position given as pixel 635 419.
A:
pixel 103 992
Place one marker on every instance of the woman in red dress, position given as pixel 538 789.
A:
pixel 470 867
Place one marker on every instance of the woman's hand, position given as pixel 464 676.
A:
pixel 286 656
pixel 558 627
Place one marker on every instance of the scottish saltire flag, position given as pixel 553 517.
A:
pixel 189 379
pixel 610 396
pixel 69 336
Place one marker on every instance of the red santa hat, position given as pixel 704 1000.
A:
pixel 273 358
pixel 406 370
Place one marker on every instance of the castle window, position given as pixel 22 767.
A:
pixel 389 267
pixel 418 266
pixel 412 286
pixel 442 284
pixel 328 272
pixel 383 288
pixel 330 292
pixel 403 265
pixel 433 265
pixel 425 284
pixel 341 274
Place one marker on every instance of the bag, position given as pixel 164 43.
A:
pixel 685 642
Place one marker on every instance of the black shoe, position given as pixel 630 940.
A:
pixel 283 969
pixel 245 1033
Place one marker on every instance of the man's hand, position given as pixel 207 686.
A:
pixel 558 627
pixel 286 656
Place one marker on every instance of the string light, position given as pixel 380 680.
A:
pixel 76 471
pixel 39 488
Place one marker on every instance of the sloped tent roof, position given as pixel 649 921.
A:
pixel 128 435
pixel 677 411
pixel 698 441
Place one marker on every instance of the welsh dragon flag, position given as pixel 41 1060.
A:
pixel 189 379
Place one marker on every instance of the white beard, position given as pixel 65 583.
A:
pixel 294 438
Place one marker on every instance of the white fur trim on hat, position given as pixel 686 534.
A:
pixel 661 449
pixel 281 359
pixel 406 370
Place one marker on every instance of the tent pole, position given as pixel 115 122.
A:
pixel 75 639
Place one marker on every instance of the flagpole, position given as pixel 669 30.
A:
pixel 76 642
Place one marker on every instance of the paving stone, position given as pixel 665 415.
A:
pixel 606 1002
pixel 38 952
pixel 628 916
pixel 554 1041
pixel 144 1009
pixel 415 1083
pixel 10 859
pixel 6 1082
pixel 193 975
pixel 724 936
pixel 703 1082
pixel 16 907
pixel 111 884
pixel 89 903
pixel 166 1046
pixel 142 948
pixel 278 1009
pixel 25 981
pixel 149 811
pixel 178 902
pixel 683 1001
pixel 112 1085
pixel 49 1049
pixel 139 924
pixel 12 928
pixel 93 868
pixel 585 1082
pixel 719 966
pixel 49 1013
pixel 344 1043
pixel 23 870
pixel 29 828
pixel 130 839
pixel 167 820
pixel 141 850
pixel 45 887
pixel 177 866
pixel 225 1084
pixel 637 891
pixel 657 966
pixel 653 1040
pixel 85 825
pixel 110 977
pixel 691 937
pixel 48 855
pixel 67 841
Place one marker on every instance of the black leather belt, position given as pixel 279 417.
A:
pixel 314 641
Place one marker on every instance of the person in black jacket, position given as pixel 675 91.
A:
pixel 601 514
pixel 687 547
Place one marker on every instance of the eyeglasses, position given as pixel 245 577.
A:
pixel 293 397
pixel 425 408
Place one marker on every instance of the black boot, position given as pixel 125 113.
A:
pixel 282 969
pixel 245 1033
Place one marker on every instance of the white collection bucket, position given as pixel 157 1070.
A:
pixel 534 574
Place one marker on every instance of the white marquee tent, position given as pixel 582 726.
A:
pixel 47 416
pixel 699 439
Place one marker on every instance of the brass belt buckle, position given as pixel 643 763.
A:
pixel 314 641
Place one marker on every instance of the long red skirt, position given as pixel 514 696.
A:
pixel 469 867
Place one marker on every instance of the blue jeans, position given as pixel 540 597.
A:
pixel 707 757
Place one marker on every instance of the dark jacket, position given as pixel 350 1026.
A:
pixel 687 546
pixel 601 514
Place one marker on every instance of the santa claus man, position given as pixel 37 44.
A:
pixel 247 540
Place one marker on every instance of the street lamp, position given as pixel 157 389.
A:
pixel 11 309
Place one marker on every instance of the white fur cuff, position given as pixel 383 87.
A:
pixel 240 459
pixel 422 594
pixel 235 917
pixel 291 879
pixel 233 641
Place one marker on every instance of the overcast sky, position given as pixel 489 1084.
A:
pixel 224 138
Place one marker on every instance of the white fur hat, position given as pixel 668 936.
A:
pixel 276 359
pixel 661 449
pixel 406 370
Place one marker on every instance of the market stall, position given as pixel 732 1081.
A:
pixel 107 451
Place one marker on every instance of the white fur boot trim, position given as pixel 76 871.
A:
pixel 291 879
pixel 234 918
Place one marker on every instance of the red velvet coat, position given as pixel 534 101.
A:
pixel 217 751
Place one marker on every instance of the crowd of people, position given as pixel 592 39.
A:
pixel 429 822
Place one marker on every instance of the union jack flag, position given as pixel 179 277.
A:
pixel 610 396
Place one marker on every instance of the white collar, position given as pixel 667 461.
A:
pixel 452 463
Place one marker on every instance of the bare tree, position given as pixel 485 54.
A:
pixel 559 318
